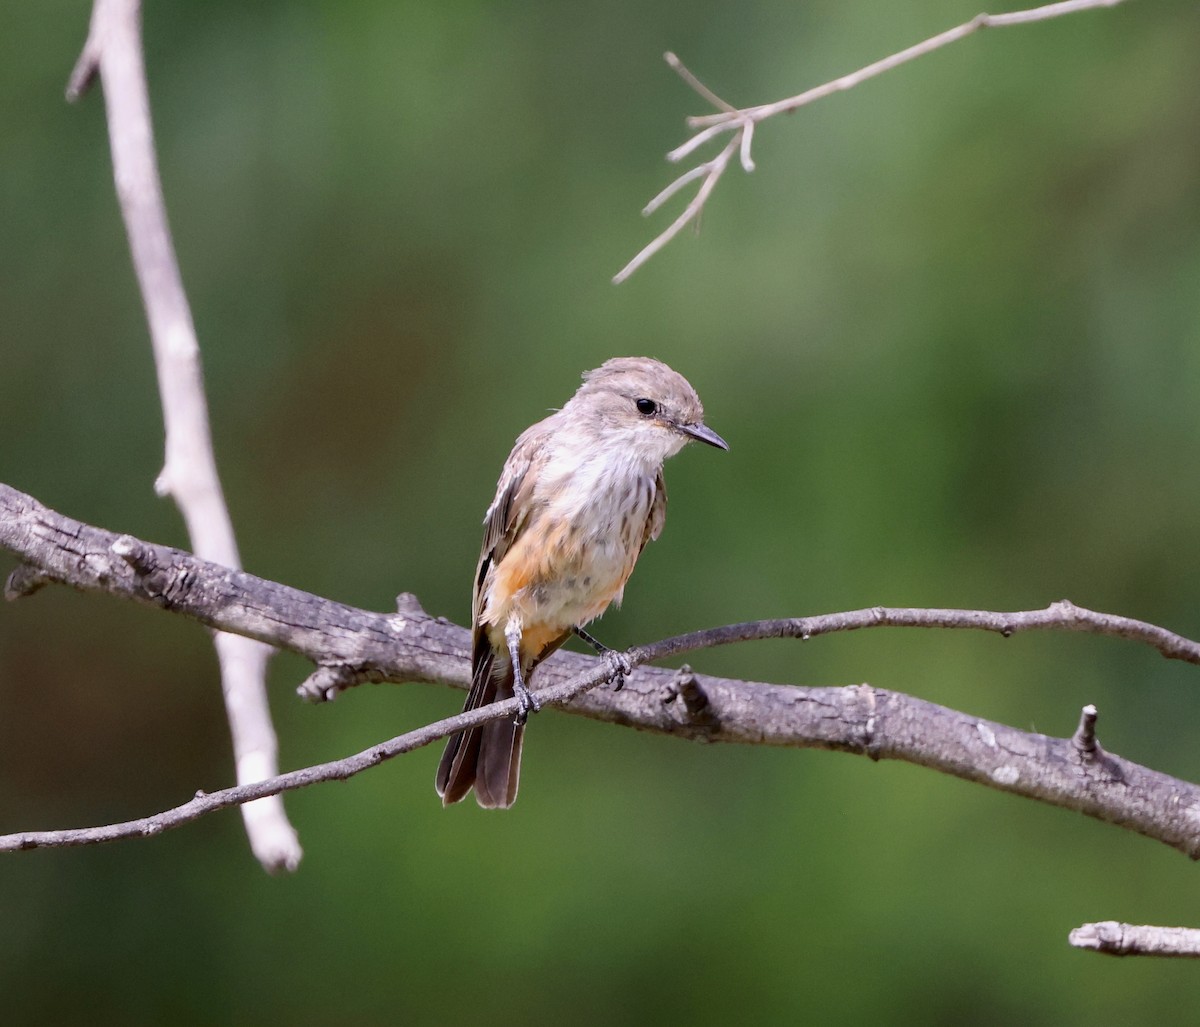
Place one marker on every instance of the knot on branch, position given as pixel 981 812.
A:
pixel 1067 610
pixel 796 627
pixel 409 605
pixel 329 680
pixel 690 699
pixel 24 581
pixel 1084 739
pixel 137 554
pixel 870 743
pixel 1093 760
pixel 165 582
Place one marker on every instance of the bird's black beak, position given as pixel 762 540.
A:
pixel 704 434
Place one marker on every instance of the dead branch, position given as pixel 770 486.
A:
pixel 740 121
pixel 1116 939
pixel 113 51
pixel 350 645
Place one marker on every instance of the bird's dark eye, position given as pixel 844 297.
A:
pixel 647 407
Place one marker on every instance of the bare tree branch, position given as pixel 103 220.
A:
pixel 113 51
pixel 1115 939
pixel 740 121
pixel 337 770
pixel 351 645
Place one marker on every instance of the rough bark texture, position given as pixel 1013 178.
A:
pixel 351 645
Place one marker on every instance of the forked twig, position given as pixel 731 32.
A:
pixel 741 121
pixel 710 171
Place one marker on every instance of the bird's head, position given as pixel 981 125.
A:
pixel 643 404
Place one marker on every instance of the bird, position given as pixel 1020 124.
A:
pixel 579 497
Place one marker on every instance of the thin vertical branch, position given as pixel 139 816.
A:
pixel 189 476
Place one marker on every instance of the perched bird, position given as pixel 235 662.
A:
pixel 579 497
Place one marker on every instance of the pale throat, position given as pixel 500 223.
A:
pixel 597 479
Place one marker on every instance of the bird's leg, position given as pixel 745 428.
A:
pixel 595 643
pixel 617 662
pixel 526 700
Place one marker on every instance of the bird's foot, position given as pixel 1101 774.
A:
pixel 527 701
pixel 619 666
pixel 618 663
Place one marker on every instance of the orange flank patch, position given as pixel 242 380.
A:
pixel 535 638
pixel 545 582
pixel 537 556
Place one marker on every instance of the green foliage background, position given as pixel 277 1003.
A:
pixel 951 328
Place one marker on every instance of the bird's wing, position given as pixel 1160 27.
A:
pixel 508 515
pixel 658 511
pixel 488 757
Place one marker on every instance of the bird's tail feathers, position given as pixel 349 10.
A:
pixel 488 757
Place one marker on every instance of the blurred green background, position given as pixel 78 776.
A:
pixel 951 329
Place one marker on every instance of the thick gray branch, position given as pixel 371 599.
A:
pixel 351 645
